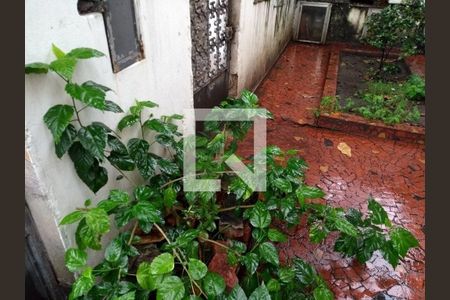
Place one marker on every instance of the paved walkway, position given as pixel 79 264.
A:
pixel 392 172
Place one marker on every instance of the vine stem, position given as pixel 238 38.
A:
pixel 73 101
pixel 133 232
pixel 183 263
pixel 234 207
pixel 219 244
pixel 142 126
pixel 125 176
pixel 182 177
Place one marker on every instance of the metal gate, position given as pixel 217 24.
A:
pixel 211 35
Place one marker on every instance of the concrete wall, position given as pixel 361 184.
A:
pixel 165 76
pixel 262 31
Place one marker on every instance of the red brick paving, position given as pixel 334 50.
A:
pixel 392 172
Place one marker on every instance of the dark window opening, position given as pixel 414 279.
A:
pixel 122 30
pixel 368 2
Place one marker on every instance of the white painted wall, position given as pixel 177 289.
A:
pixel 165 76
pixel 262 33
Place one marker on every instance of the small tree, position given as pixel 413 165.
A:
pixel 398 26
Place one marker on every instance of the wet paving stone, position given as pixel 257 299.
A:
pixel 392 172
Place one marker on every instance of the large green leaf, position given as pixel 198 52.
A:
pixel 197 269
pixel 97 85
pixel 171 288
pixel 75 259
pixel 308 192
pixel 116 145
pixel 64 66
pixel 86 238
pixel 114 251
pixel 185 238
pixel 67 138
pixel 317 232
pixel 112 106
pixel 57 118
pixel 72 217
pixel 304 272
pixel 286 274
pixel 36 68
pixel 168 167
pixel 122 161
pixel 251 262
pixel 84 53
pixel 345 226
pixel 322 293
pixel 146 164
pixel 402 240
pixel 378 214
pixel 57 52
pixel 82 285
pixel 93 138
pixel 147 214
pixel 282 185
pixel 276 236
pixel 98 221
pixel 156 125
pixel 237 293
pixel 119 155
pixel 145 278
pixel 269 253
pixel 170 196
pixel 260 216
pixel 127 121
pixel 390 253
pixel 88 94
pixel 137 147
pixel 143 193
pixel 260 293
pixel 123 216
pixel 88 167
pixel 346 244
pixel 162 264
pixel 213 284
pixel 128 296
pixel 273 285
pixel 140 105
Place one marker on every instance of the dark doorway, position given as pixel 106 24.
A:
pixel 211 35
pixel 40 279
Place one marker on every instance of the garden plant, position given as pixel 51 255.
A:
pixel 389 102
pixel 397 25
pixel 184 225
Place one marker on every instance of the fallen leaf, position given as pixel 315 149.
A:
pixel 422 161
pixel 375 151
pixel 345 149
pixel 382 135
pixel 324 168
pixel 298 138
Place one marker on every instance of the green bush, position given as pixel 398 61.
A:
pixel 186 224
pixel 390 102
pixel 414 88
pixel 397 25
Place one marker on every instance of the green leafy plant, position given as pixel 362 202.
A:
pixel 390 102
pixel 328 104
pixel 414 88
pixel 397 25
pixel 166 236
